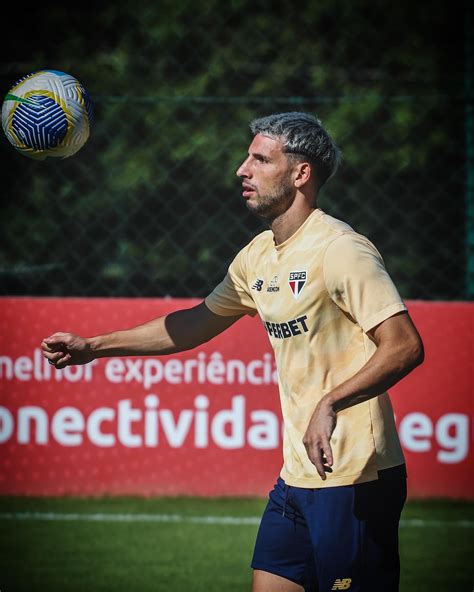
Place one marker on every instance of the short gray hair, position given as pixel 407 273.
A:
pixel 303 136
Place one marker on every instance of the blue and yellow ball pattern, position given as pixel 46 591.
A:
pixel 47 114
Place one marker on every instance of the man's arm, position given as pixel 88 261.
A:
pixel 399 351
pixel 175 332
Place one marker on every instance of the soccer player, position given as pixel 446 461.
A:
pixel 341 335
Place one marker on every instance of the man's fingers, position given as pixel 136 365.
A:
pixel 322 466
pixel 63 361
pixel 55 349
pixel 56 339
pixel 59 359
pixel 327 450
pixel 320 455
pixel 53 356
pixel 64 349
pixel 52 347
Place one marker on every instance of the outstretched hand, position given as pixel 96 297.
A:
pixel 66 349
pixel 317 438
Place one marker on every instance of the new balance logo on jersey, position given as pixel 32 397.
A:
pixel 297 281
pixel 257 285
pixel 342 584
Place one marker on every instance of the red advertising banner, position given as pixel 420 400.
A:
pixel 206 421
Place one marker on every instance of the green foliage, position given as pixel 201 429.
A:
pixel 151 205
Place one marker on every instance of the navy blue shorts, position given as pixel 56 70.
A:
pixel 334 538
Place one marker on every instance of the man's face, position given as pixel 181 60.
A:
pixel 267 181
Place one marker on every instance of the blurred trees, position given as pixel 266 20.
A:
pixel 151 206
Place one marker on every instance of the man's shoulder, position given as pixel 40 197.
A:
pixel 339 235
pixel 333 225
pixel 252 251
pixel 322 230
pixel 261 241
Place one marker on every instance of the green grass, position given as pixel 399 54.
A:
pixel 165 556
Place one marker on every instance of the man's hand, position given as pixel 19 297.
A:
pixel 399 350
pixel 66 349
pixel 318 435
pixel 168 334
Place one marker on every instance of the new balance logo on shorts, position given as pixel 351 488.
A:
pixel 342 584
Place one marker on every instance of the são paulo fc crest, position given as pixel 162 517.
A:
pixel 297 281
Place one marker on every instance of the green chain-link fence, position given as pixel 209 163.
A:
pixel 151 205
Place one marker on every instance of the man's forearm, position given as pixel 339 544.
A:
pixel 399 350
pixel 172 333
pixel 384 369
pixel 178 331
pixel 151 338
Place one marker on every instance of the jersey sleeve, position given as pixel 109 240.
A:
pixel 358 283
pixel 232 296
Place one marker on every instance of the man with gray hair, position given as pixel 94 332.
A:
pixel 341 336
pixel 304 138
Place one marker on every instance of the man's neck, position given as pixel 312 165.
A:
pixel 288 223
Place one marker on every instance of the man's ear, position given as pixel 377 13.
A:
pixel 303 174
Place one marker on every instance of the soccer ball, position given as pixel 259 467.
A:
pixel 47 114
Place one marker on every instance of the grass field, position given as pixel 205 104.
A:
pixel 193 544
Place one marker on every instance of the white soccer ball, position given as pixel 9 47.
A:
pixel 47 114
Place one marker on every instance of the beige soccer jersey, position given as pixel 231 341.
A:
pixel 318 294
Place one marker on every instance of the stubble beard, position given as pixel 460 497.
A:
pixel 275 203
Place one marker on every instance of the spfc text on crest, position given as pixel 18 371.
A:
pixel 297 281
